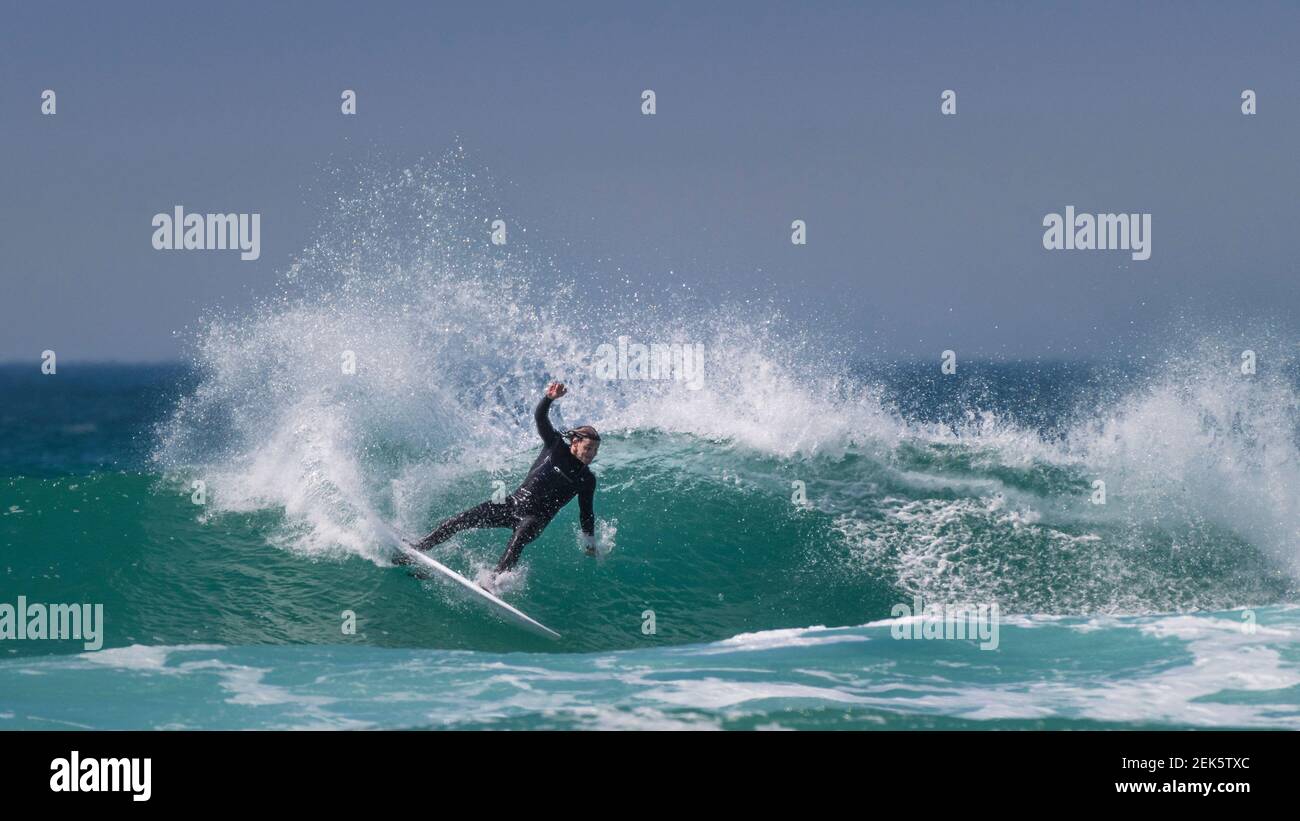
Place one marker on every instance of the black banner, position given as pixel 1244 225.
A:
pixel 215 770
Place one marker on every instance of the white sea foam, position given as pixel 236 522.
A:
pixel 454 339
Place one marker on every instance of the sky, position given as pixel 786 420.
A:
pixel 925 231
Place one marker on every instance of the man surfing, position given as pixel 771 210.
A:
pixel 558 474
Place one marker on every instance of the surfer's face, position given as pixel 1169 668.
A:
pixel 584 449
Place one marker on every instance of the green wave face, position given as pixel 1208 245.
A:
pixel 706 540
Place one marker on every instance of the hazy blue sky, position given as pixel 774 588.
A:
pixel 924 230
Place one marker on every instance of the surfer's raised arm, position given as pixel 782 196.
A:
pixel 543 413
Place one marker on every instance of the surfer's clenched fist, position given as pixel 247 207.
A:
pixel 555 390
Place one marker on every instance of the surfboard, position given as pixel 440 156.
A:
pixel 478 595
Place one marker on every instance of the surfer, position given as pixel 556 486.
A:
pixel 558 474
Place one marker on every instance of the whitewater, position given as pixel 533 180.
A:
pixel 757 526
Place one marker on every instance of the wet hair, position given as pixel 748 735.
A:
pixel 584 432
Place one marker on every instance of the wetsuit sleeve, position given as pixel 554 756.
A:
pixel 543 418
pixel 587 515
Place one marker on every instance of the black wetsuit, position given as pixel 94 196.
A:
pixel 554 479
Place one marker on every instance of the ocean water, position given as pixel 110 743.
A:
pixel 756 532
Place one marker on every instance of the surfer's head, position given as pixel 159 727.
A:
pixel 583 443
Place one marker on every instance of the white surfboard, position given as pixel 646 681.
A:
pixel 477 594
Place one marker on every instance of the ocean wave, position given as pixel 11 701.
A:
pixel 453 340
pixel 1200 670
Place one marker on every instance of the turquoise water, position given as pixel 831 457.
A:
pixel 767 613
pixel 756 533
pixel 1049 673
